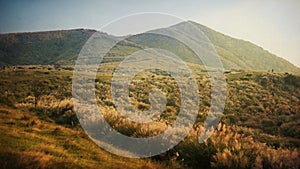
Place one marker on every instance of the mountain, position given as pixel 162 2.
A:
pixel 42 47
pixel 64 46
pixel 240 54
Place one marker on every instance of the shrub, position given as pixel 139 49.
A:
pixel 6 101
pixel 290 129
pixel 230 150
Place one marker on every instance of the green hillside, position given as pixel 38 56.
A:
pixel 42 47
pixel 240 54
pixel 64 46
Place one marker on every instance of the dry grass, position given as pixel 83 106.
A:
pixel 261 131
pixel 47 145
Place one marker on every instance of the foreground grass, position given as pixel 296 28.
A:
pixel 29 142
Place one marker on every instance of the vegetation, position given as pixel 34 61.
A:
pixel 64 46
pixel 240 54
pixel 42 47
pixel 48 135
pixel 39 127
pixel 260 128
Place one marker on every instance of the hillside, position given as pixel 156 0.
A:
pixel 240 54
pixel 42 47
pixel 64 46
pixel 260 126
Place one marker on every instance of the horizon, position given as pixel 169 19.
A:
pixel 255 21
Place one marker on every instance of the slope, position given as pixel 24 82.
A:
pixel 64 46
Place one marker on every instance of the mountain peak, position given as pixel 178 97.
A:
pixel 63 46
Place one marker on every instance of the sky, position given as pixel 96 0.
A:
pixel 271 24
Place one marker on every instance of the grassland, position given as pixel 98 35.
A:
pixel 260 128
pixel 48 136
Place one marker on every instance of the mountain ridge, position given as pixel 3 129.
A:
pixel 63 47
pixel 248 45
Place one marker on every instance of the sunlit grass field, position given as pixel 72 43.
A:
pixel 260 127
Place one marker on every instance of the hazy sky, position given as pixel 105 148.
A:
pixel 272 24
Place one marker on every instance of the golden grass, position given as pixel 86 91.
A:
pixel 47 145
